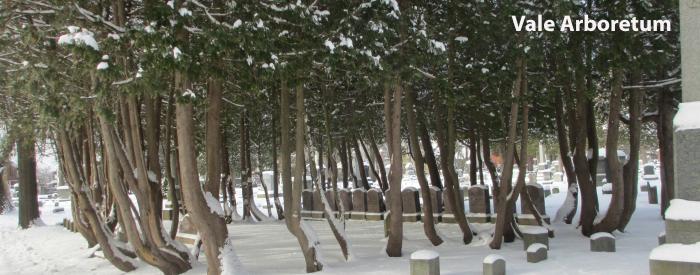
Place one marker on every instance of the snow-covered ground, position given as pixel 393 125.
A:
pixel 268 248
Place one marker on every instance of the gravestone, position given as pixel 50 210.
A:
pixel 645 187
pixel 494 264
pixel 410 201
pixel 602 242
pixel 661 238
pixel 436 203
pixel 375 205
pixel 346 201
pixel 653 195
pixel 536 253
pixel 317 212
pixel 359 204
pixel 425 262
pixel 533 235
pixel 330 196
pixel 186 226
pixel 307 203
pixel 448 215
pixel 479 205
pixel 673 258
pixel 537 196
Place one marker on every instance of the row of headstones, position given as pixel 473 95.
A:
pixel 425 262
pixel 359 204
pixel 70 225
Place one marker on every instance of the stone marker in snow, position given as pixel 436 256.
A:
pixel 307 203
pixel 533 235
pixel 359 204
pixel 448 215
pixel 602 242
pixel 410 200
pixel 661 238
pixel 346 201
pixel 494 265
pixel 683 222
pixel 317 212
pixel 375 205
pixel 436 203
pixel 536 252
pixel 479 205
pixel 330 196
pixel 536 192
pixel 675 259
pixel 653 195
pixel 425 262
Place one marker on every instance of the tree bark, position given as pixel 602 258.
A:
pixel 393 137
pixel 630 170
pixel 664 134
pixel 564 155
pixel 28 203
pixel 611 221
pixel 213 137
pixel 428 222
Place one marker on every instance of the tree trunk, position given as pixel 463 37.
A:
pixel 28 203
pixel 630 170
pixel 379 160
pixel 393 137
pixel 504 209
pixel 612 217
pixel 664 134
pixel 344 162
pixel 433 169
pixel 209 222
pixel 472 158
pixel 428 220
pixel 275 170
pixel 213 138
pixel 566 162
pixel 360 165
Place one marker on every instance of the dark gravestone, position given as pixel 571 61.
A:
pixel 479 205
pixel 346 201
pixel 375 205
pixel 330 196
pixel 537 195
pixel 317 212
pixel 359 204
pixel 436 203
pixel 307 203
pixel 653 195
pixel 410 201
pixel 448 215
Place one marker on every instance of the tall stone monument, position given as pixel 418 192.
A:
pixel 682 225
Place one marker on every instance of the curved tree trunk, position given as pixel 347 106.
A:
pixel 564 154
pixel 612 217
pixel 630 170
pixel 428 219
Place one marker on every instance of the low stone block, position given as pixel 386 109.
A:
pixel 536 253
pixel 425 262
pixel 359 204
pixel 494 265
pixel 682 231
pixel 675 259
pixel 653 195
pixel 187 226
pixel 533 235
pixel 410 201
pixel 602 242
pixel 375 205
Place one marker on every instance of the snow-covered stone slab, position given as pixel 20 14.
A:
pixel 675 259
pixel 375 205
pixel 683 222
pixel 425 262
pixel 533 235
pixel 536 252
pixel 494 264
pixel 602 242
pixel 479 204
pixel 410 200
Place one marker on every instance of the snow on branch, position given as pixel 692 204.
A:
pixel 98 19
pixel 214 20
pixel 660 84
pixel 424 73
